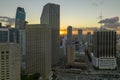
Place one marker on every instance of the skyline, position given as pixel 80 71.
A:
pixel 82 13
pixel 81 49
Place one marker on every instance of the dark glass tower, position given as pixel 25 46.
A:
pixel 20 36
pixel 69 35
pixel 19 22
pixel 105 43
pixel 20 18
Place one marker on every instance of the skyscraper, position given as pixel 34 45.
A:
pixel 70 48
pixel 20 24
pixel 20 18
pixel 105 49
pixel 9 56
pixel 4 35
pixel 65 45
pixel 20 32
pixel 70 55
pixel 7 35
pixel 80 38
pixel 38 50
pixel 51 16
pixel 89 38
pixel 9 61
pixel 69 35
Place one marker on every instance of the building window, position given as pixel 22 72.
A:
pixel 2 57
pixel 7 57
pixel 2 52
pixel 7 51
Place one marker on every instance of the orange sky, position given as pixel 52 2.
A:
pixel 64 31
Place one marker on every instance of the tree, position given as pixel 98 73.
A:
pixel 36 76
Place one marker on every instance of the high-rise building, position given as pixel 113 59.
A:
pixel 38 50
pixel 64 44
pixel 6 35
pixel 89 38
pixel 22 37
pixel 20 18
pixel 69 47
pixel 105 49
pixel 20 32
pixel 9 61
pixel 80 38
pixel 9 55
pixel 69 35
pixel 70 55
pixel 51 16
pixel 19 22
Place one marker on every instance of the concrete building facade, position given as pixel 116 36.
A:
pixel 69 35
pixel 105 49
pixel 9 61
pixel 38 50
pixel 51 16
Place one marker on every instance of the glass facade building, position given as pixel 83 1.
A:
pixel 19 22
pixel 7 35
pixel 20 36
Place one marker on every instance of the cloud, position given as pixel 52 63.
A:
pixel 4 17
pixel 115 25
pixel 8 20
pixel 110 22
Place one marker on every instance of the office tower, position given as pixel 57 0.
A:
pixel 70 54
pixel 64 41
pixel 70 48
pixel 80 38
pixel 105 49
pixel 9 56
pixel 9 61
pixel 22 37
pixel 38 50
pixel 89 38
pixel 20 32
pixel 69 35
pixel 51 16
pixel 6 35
pixel 20 18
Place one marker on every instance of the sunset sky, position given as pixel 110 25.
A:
pixel 78 13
